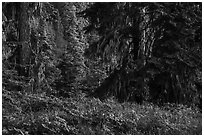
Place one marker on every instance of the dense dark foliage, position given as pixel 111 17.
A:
pixel 142 60
pixel 154 50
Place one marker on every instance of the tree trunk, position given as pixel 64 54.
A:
pixel 24 36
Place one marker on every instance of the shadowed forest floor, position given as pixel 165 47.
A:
pixel 39 114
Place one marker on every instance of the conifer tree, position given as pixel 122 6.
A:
pixel 156 48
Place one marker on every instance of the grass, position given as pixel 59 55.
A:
pixel 38 114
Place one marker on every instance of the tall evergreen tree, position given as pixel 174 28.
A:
pixel 149 42
pixel 72 61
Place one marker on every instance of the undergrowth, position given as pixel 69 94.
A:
pixel 38 114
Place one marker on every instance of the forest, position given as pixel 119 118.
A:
pixel 102 68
